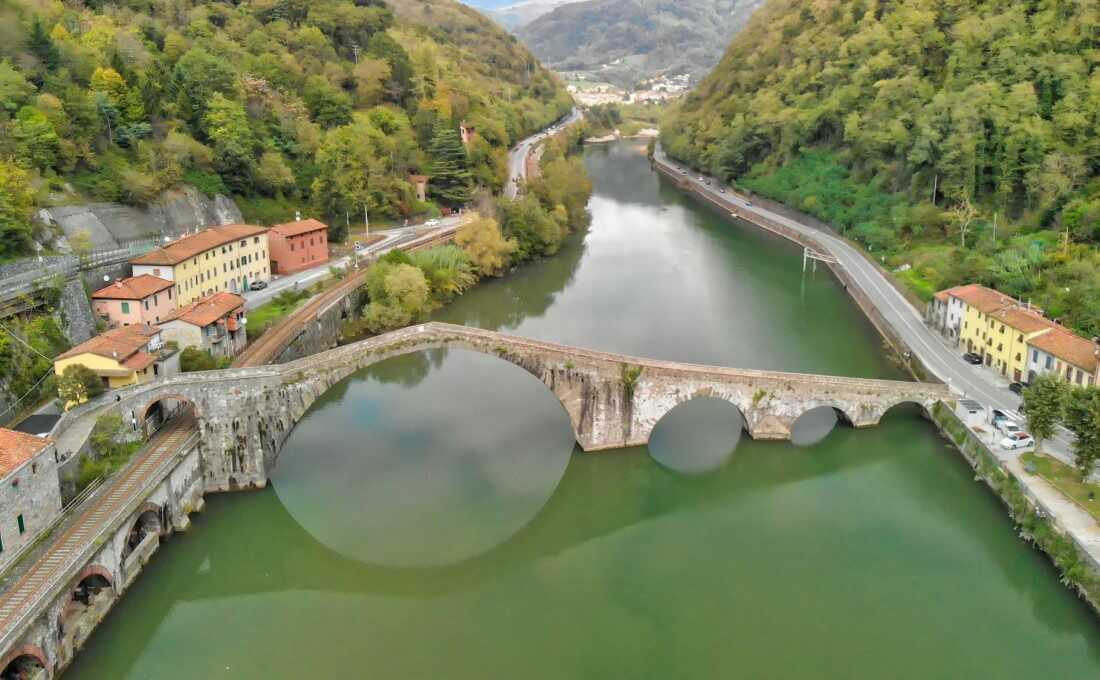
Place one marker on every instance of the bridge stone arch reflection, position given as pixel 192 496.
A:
pixel 612 400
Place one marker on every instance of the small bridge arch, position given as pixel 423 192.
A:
pixel 24 661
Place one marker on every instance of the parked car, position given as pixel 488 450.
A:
pixel 1017 440
pixel 721 190
pixel 999 416
pixel 973 358
pixel 1010 427
pixel 1017 387
pixel 258 285
pixel 748 204
pixel 431 223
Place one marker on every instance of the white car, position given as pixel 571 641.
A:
pixel 1009 427
pixel 431 223
pixel 1017 440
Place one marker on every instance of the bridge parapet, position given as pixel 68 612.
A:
pixel 613 400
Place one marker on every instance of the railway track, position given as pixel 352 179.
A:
pixel 274 341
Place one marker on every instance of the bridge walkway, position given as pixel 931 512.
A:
pixel 39 579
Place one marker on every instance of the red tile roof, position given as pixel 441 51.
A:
pixel 139 360
pixel 1069 347
pixel 118 343
pixel 17 448
pixel 985 299
pixel 195 244
pixel 207 310
pixel 133 288
pixel 299 227
pixel 1023 320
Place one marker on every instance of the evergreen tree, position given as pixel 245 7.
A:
pixel 450 172
pixel 41 46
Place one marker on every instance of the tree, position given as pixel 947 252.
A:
pixel 482 240
pixel 328 105
pixel 449 169
pixel 42 47
pixel 78 384
pixel 37 141
pixel 963 215
pixel 1044 403
pixel 196 78
pixel 16 200
pixel 226 124
pixel 1082 418
pixel 105 433
pixel 272 174
pixel 398 85
pixel 14 88
pixel 195 359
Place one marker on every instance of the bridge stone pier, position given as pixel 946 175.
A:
pixel 612 400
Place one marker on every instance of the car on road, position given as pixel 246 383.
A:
pixel 721 190
pixel 999 417
pixel 1009 427
pixel 700 178
pixel 973 358
pixel 1017 440
pixel 748 204
pixel 431 223
pixel 258 285
pixel 1018 387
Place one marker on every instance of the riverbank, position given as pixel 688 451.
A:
pixel 1071 537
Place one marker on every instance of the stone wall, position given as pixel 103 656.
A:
pixel 910 359
pixel 323 332
pixel 111 225
pixel 76 310
pixel 62 624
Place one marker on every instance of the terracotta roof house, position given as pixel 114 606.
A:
pixel 127 355
pixel 229 258
pixel 30 491
pixel 215 323
pixel 298 245
pixel 135 301
pixel 1065 354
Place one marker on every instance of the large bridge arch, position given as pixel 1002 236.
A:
pixel 244 415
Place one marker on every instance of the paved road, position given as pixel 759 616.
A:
pixel 943 360
pixel 307 277
pixel 517 157
pixel 40 578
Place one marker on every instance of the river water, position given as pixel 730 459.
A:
pixel 431 516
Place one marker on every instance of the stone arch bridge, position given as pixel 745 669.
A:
pixel 245 414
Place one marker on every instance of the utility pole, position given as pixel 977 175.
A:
pixel 366 219
pixel 994 226
pixel 355 51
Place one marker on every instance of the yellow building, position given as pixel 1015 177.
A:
pixel 122 356
pixel 229 258
pixel 998 328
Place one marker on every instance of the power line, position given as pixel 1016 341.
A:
pixel 24 343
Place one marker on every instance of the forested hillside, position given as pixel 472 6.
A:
pixel 324 105
pixel 960 137
pixel 628 40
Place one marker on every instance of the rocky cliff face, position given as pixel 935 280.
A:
pixel 111 225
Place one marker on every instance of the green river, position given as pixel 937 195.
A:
pixel 431 517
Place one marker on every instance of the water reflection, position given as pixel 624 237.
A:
pixel 456 451
pixel 813 426
pixel 697 436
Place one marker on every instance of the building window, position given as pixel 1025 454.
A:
pixel 1035 356
pixel 146 305
pixel 1020 338
pixel 125 307
pixel 22 525
pixel 256 239
pixel 156 272
pixel 1017 356
pixel 1050 363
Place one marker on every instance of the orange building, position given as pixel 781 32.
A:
pixel 297 245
